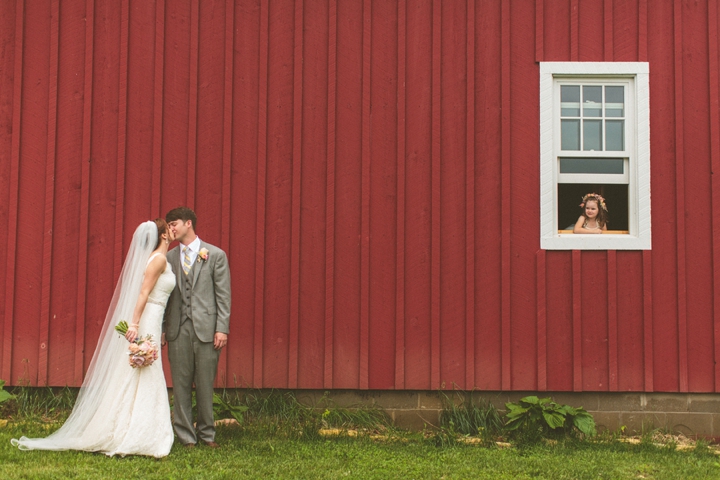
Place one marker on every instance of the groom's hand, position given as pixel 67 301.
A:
pixel 220 340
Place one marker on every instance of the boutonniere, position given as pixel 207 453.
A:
pixel 203 254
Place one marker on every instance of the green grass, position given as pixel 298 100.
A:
pixel 281 438
pixel 252 452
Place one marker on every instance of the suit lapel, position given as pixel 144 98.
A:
pixel 175 262
pixel 199 262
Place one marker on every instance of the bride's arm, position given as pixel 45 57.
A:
pixel 152 273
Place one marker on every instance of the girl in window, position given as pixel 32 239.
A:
pixel 594 216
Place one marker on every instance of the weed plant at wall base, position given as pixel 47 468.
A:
pixel 533 418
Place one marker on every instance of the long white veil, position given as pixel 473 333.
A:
pixel 102 379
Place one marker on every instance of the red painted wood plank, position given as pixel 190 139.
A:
pixel 31 202
pixel 577 321
pixel 104 164
pixel 453 195
pixel 348 195
pixel 13 196
pixel 524 138
pixel 664 265
pixel 612 327
pixel 698 192
pixel 175 124
pixel 540 278
pixel 594 305
pixel 210 133
pixel 158 84
pixel 470 198
pixel 383 203
pixel 84 212
pixel 44 333
pixel 488 191
pixel 313 198
pixel 7 63
pixel 505 230
pixel 629 321
pixel 624 18
pixel 365 199
pixel 642 27
pixel 246 163
pixel 608 22
pixel 557 21
pixel 418 123
pixel 139 92
pixel 680 199
pixel 714 80
pixel 279 197
pixel 560 296
pixel 330 197
pixel 192 115
pixel 118 251
pixel 296 195
pixel 539 30
pixel 435 199
pixel 574 30
pixel 400 319
pixel 226 210
pixel 648 320
pixel 590 31
pixel 258 363
pixel 68 179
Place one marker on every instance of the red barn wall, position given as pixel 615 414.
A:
pixel 372 169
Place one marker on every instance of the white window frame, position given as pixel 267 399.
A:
pixel 637 137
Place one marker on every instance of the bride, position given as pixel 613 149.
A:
pixel 122 410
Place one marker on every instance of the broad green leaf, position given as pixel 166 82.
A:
pixel 554 420
pixel 586 424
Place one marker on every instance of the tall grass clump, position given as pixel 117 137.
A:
pixel 44 404
pixel 467 416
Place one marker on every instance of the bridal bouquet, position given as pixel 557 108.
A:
pixel 143 351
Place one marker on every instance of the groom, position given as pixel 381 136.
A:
pixel 196 325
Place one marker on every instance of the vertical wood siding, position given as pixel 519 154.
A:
pixel 371 168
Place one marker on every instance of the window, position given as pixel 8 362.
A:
pixel 595 137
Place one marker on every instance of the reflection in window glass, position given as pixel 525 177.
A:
pixel 614 101
pixel 570 135
pixel 570 101
pixel 592 135
pixel 615 135
pixel 592 165
pixel 592 101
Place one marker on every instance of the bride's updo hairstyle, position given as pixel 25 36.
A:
pixel 162 227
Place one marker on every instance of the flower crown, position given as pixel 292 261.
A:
pixel 592 196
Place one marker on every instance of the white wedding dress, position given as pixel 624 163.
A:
pixel 132 415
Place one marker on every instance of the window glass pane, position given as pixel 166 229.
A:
pixel 592 135
pixel 592 101
pixel 570 136
pixel 615 135
pixel 570 101
pixel 614 101
pixel 592 165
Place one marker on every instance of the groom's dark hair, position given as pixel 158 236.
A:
pixel 182 213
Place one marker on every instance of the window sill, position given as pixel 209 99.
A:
pixel 608 240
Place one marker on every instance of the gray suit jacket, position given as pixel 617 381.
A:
pixel 210 295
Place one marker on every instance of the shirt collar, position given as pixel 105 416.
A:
pixel 194 246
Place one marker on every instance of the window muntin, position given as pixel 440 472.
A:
pixel 594 135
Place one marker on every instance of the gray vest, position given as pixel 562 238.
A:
pixel 186 287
